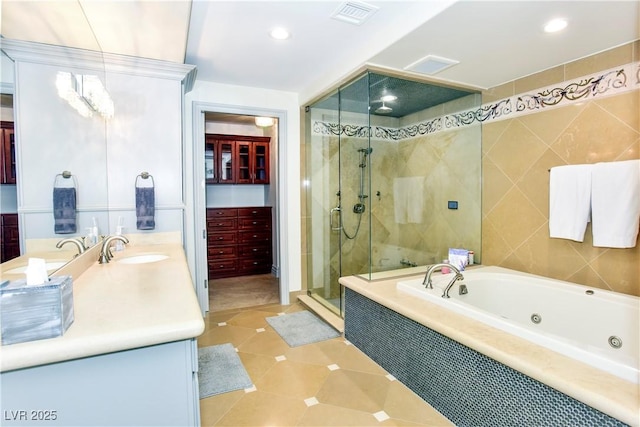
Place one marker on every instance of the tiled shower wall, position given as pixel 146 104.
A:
pixel 517 155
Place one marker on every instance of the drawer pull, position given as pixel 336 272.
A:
pixel 255 263
pixel 255 249
pixel 255 222
pixel 254 212
pixel 255 235
pixel 220 238
pixel 220 223
pixel 221 252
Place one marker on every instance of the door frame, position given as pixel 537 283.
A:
pixel 199 193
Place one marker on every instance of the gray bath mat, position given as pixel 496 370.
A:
pixel 302 327
pixel 220 370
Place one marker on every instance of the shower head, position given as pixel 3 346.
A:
pixel 384 109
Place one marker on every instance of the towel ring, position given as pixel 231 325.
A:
pixel 145 175
pixel 64 175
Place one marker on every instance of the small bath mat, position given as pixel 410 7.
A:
pixel 220 370
pixel 302 328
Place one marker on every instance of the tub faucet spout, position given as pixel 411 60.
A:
pixel 75 241
pixel 427 277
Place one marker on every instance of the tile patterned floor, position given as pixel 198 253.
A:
pixel 330 383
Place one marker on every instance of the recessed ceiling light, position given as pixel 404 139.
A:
pixel 280 33
pixel 555 25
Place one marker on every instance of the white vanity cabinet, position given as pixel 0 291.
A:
pixel 149 386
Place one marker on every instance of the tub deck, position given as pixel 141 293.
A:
pixel 598 389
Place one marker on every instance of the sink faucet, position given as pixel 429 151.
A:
pixel 105 252
pixel 427 277
pixel 75 241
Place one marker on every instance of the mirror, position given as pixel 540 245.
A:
pixel 52 137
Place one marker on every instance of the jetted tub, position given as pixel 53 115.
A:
pixel 594 326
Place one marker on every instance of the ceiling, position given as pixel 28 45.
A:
pixel 494 41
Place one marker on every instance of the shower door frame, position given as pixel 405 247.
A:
pixel 334 200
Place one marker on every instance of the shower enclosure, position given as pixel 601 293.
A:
pixel 384 156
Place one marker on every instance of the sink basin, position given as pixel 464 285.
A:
pixel 143 258
pixel 50 266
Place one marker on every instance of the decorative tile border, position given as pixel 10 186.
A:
pixel 610 82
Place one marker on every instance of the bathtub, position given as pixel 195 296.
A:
pixel 594 326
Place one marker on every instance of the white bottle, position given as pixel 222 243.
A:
pixel 94 232
pixel 89 240
pixel 119 246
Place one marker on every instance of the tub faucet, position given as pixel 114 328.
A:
pixel 75 241
pixel 427 277
pixel 105 252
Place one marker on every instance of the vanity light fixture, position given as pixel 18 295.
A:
pixel 555 25
pixel 85 93
pixel 280 33
pixel 264 122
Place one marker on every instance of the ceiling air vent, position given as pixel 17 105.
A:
pixel 431 64
pixel 354 12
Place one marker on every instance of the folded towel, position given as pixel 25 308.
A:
pixel 408 199
pixel 145 208
pixel 569 201
pixel 64 210
pixel 615 204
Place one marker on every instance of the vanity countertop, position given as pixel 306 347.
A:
pixel 598 389
pixel 120 306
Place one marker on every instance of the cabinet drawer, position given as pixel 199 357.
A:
pixel 255 236
pixel 255 223
pixel 255 212
pixel 223 238
pixel 9 219
pixel 252 266
pixel 215 224
pixel 258 251
pixel 222 265
pixel 215 253
pixel 221 212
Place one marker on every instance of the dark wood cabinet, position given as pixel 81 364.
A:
pixel 239 241
pixel 8 154
pixel 236 159
pixel 9 237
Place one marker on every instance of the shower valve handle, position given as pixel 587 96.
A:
pixel 331 212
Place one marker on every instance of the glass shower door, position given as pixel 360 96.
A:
pixel 337 191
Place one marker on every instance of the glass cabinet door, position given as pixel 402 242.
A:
pixel 260 163
pixel 243 157
pixel 225 168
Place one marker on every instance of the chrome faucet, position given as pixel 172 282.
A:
pixel 76 241
pixel 427 277
pixel 105 252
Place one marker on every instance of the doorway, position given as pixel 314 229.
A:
pixel 241 169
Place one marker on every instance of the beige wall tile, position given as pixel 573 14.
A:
pixel 599 62
pixel 539 80
pixel 516 149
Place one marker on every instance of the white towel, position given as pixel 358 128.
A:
pixel 408 195
pixel 615 203
pixel 569 201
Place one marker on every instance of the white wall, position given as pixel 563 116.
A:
pixel 239 99
pixel 104 155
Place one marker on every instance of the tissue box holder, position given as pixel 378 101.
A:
pixel 35 312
